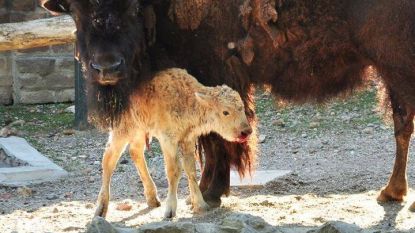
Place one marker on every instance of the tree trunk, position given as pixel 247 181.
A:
pixel 37 33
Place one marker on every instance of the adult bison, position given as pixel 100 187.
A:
pixel 305 50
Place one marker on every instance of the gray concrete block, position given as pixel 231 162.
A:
pixel 258 179
pixel 39 169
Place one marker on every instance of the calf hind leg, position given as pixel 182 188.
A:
pixel 137 155
pixel 403 116
pixel 115 147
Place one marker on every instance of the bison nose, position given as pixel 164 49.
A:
pixel 109 66
pixel 246 132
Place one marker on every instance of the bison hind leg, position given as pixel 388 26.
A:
pixel 403 115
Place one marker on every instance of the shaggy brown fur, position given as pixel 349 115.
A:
pixel 307 51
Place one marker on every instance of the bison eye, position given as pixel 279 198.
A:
pixel 225 113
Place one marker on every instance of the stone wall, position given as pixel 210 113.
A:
pixel 40 75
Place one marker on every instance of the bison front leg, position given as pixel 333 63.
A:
pixel 403 116
pixel 115 146
pixel 137 155
pixel 215 179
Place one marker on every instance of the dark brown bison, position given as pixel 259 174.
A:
pixel 306 50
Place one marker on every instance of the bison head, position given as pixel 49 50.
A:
pixel 111 46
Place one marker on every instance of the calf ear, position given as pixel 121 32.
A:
pixel 55 6
pixel 203 98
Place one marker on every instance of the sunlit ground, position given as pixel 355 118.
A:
pixel 300 211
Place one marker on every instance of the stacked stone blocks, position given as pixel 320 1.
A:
pixel 38 75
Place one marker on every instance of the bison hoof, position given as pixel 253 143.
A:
pixel 153 202
pixel 412 207
pixel 213 202
pixel 387 195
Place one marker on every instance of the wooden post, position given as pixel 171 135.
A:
pixel 81 111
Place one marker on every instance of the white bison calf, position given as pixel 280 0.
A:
pixel 176 109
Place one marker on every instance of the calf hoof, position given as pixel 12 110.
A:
pixel 101 210
pixel 153 202
pixel 391 195
pixel 170 213
pixel 201 208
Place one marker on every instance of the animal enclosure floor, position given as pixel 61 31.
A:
pixel 337 173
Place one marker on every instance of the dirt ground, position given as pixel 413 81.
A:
pixel 340 156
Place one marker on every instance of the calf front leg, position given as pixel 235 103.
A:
pixel 137 155
pixel 173 171
pixel 115 146
pixel 188 161
pixel 403 116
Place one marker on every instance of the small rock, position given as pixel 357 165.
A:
pixel 124 161
pixel 89 206
pixel 314 125
pixel 5 196
pixel 17 123
pixel 70 109
pixel 72 228
pixel 368 130
pixel 262 138
pixel 67 195
pixel 332 113
pixel 124 206
pixel 25 191
pixel 91 179
pixel 338 227
pixel 304 135
pixel 97 162
pixel 87 171
pixel 51 197
pixel 68 132
pixel 279 122
pixel 55 210
pixel 7 131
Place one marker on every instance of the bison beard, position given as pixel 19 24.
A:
pixel 106 104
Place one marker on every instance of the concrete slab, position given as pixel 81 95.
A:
pixel 258 180
pixel 37 167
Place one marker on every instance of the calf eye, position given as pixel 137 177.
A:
pixel 225 113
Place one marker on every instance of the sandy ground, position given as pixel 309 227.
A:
pixel 336 175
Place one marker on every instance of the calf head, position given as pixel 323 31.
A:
pixel 225 113
pixel 111 47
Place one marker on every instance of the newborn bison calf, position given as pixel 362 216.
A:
pixel 176 109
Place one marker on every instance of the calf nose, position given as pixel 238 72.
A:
pixel 246 132
pixel 108 65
